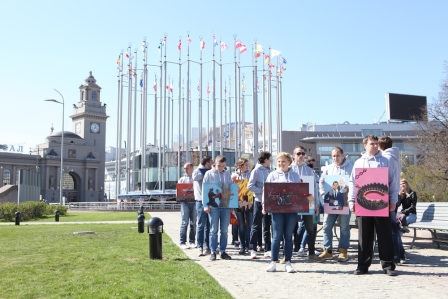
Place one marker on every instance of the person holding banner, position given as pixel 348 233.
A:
pixel 219 217
pixel 187 211
pixel 306 174
pixel 203 222
pixel 282 223
pixel 244 213
pixel 367 225
pixel 340 166
pixel 260 222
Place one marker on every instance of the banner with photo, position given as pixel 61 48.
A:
pixel 309 179
pixel 219 195
pixel 372 192
pixel 336 194
pixel 286 197
pixel 245 196
pixel 185 192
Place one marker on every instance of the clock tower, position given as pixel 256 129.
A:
pixel 89 122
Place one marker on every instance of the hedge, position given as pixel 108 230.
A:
pixel 28 210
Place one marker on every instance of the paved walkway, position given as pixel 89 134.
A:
pixel 425 274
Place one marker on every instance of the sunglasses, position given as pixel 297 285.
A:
pixel 300 153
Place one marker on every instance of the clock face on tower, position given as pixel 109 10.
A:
pixel 78 128
pixel 94 127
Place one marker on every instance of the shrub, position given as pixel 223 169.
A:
pixel 29 210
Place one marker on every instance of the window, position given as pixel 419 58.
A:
pixel 352 147
pixel 6 176
pixel 376 132
pixel 93 95
pixel 325 148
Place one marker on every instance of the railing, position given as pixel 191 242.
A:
pixel 124 206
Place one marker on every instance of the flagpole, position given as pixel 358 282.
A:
pixel 129 123
pixel 280 108
pixel 200 103
pixel 188 119
pixel 208 116
pixel 230 113
pixel 270 107
pixel 236 103
pixel 161 121
pixel 214 102
pixel 277 95
pixel 134 145
pixel 168 111
pixel 255 105
pixel 242 117
pixel 143 120
pixel 221 143
pixel 180 116
pixel 119 112
pixel 264 104
pixel 164 115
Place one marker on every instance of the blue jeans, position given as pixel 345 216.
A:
pixel 244 227
pixel 283 225
pixel 396 238
pixel 219 220
pixel 203 227
pixel 307 233
pixel 188 213
pixel 344 225
pixel 411 218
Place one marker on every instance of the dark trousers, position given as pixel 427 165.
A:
pixel 366 234
pixel 256 225
pixel 267 232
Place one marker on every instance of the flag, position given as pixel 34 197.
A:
pixel 118 60
pixel 225 88
pixel 135 73
pixel 171 87
pixel 271 66
pixel 164 41
pixel 199 86
pixel 208 89
pixel 244 86
pixel 258 50
pixel 275 53
pixel 202 45
pixel 179 46
pixel 215 42
pixel 143 46
pixel 283 68
pixel 267 59
pixel 188 40
pixel 282 60
pixel 238 44
pixel 223 46
pixel 243 49
pixel 155 85
pixel 141 82
pixel 127 54
pixel 167 86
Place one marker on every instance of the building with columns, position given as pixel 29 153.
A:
pixel 83 156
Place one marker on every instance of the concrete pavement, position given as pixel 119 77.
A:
pixel 425 274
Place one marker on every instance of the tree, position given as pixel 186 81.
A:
pixel 432 146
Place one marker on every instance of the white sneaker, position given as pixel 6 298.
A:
pixel 301 252
pixel 267 254
pixel 271 267
pixel 253 255
pixel 192 245
pixel 184 246
pixel 289 268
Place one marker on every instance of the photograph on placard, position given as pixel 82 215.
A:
pixel 336 194
pixel 184 192
pixel 219 195
pixel 286 197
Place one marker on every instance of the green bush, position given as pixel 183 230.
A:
pixel 29 210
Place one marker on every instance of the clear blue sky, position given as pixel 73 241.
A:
pixel 342 56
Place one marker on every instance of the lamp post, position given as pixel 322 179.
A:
pixel 61 186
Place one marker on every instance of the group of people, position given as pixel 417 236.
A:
pixel 254 223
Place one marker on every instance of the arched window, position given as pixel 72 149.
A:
pixel 6 176
pixel 69 182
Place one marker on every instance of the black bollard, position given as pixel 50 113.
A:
pixel 17 214
pixel 141 222
pixel 155 230
pixel 56 216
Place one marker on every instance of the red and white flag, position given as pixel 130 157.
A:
pixel 238 44
pixel 188 40
pixel 155 86
pixel 127 54
pixel 179 46
pixel 171 87
pixel 223 46
pixel 243 49
pixel 202 45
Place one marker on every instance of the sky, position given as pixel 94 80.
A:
pixel 342 56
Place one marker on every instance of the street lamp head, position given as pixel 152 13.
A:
pixel 53 100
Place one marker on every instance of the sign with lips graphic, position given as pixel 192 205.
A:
pixel 372 192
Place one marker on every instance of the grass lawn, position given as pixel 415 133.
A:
pixel 78 216
pixel 51 262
